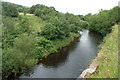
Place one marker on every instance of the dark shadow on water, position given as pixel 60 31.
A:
pixel 70 61
pixel 54 60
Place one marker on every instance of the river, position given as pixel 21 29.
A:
pixel 70 61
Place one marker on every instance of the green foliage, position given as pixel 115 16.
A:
pixel 35 23
pixel 21 43
pixel 73 21
pixel 24 26
pixel 33 8
pixel 58 25
pixel 108 56
pixel 7 40
pixel 9 23
pixel 58 44
pixel 25 43
pixel 43 47
pixel 81 17
pixel 26 10
pixel 38 12
pixel 84 24
pixel 56 29
pixel 20 57
pixel 114 15
pixel 9 10
pixel 103 21
pixel 15 63
pixel 22 9
pixel 44 12
pixel 8 32
pixel 62 26
pixel 100 23
pixel 49 31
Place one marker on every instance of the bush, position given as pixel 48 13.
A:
pixel 20 57
pixel 8 32
pixel 56 29
pixel 44 47
pixel 15 64
pixel 49 31
pixel 24 26
pixel 25 43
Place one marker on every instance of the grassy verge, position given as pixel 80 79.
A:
pixel 108 56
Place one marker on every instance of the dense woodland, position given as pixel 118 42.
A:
pixel 29 38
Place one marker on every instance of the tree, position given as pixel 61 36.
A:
pixel 114 14
pixel 73 21
pixel 18 58
pixel 44 12
pixel 49 31
pixel 37 6
pixel 57 29
pixel 9 10
pixel 103 21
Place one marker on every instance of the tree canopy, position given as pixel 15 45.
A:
pixel 9 10
pixel 103 21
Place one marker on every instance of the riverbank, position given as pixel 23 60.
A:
pixel 66 41
pixel 58 44
pixel 22 50
pixel 61 43
pixel 105 65
pixel 68 62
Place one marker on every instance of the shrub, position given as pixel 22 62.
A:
pixel 24 26
pixel 43 47
pixel 56 29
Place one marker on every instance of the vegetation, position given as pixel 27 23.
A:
pixel 9 10
pixel 27 38
pixel 103 21
pixel 58 43
pixel 44 47
pixel 19 58
pixel 108 56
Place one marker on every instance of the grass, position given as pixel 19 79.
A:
pixel 108 56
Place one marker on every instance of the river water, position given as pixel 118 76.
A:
pixel 70 61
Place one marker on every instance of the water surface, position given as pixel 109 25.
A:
pixel 70 61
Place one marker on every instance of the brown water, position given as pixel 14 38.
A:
pixel 70 61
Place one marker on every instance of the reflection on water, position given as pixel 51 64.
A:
pixel 70 61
